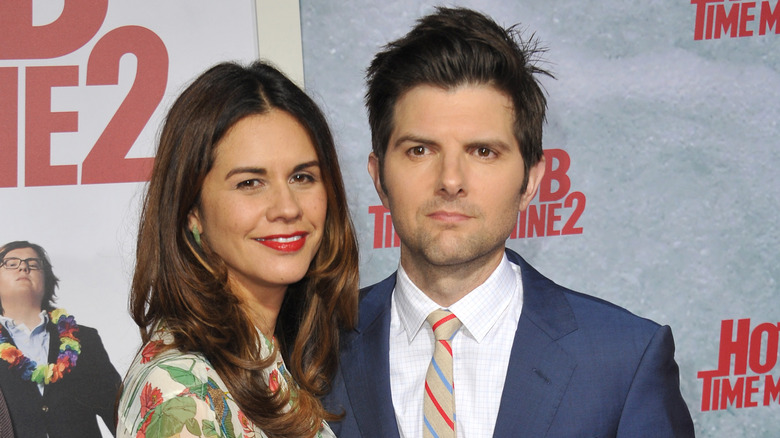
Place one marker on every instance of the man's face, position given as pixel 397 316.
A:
pixel 453 175
pixel 22 284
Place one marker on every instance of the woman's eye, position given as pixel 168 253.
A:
pixel 302 178
pixel 248 184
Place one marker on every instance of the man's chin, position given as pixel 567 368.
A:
pixel 450 254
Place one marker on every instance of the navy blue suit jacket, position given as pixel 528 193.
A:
pixel 69 407
pixel 579 367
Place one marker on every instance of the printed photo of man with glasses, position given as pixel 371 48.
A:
pixel 55 375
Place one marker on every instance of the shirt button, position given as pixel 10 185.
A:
pixel 45 408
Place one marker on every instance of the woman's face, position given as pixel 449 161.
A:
pixel 22 285
pixel 263 204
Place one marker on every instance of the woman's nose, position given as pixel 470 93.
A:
pixel 284 206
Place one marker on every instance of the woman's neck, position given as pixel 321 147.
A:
pixel 263 308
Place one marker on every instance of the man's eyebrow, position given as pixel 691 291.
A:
pixel 412 139
pixel 488 143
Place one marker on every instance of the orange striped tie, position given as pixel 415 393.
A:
pixel 439 402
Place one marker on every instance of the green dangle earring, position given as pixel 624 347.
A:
pixel 196 235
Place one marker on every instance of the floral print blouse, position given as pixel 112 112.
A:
pixel 180 394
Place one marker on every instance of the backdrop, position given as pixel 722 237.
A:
pixel 663 125
pixel 84 85
pixel 661 192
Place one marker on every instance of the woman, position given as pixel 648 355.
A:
pixel 55 374
pixel 246 265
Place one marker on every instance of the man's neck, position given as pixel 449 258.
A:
pixel 29 316
pixel 446 284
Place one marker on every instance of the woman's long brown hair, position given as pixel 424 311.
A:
pixel 185 286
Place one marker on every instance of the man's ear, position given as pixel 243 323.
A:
pixel 535 175
pixel 375 171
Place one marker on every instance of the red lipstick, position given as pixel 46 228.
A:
pixel 285 242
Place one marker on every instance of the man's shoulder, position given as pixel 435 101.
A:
pixel 595 333
pixel 591 313
pixel 88 335
pixel 374 301
pixel 385 286
pixel 85 330
pixel 373 297
pixel 83 333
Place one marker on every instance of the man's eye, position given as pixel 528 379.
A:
pixel 484 152
pixel 417 150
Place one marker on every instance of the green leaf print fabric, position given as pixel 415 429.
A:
pixel 175 394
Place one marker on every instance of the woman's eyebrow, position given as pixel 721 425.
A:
pixel 262 171
pixel 254 170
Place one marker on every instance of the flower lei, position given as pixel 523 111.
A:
pixel 70 348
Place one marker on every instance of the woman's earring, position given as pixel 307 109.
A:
pixel 196 235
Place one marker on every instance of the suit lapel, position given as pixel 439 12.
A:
pixel 27 388
pixel 54 348
pixel 539 369
pixel 54 342
pixel 367 374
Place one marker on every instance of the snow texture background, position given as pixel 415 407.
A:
pixel 674 143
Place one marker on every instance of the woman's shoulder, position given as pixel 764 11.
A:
pixel 167 391
pixel 172 367
pixel 158 362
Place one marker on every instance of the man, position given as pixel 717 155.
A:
pixel 55 375
pixel 456 116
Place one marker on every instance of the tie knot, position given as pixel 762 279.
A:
pixel 444 324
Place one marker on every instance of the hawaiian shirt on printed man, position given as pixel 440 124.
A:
pixel 175 393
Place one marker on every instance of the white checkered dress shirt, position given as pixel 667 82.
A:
pixel 481 350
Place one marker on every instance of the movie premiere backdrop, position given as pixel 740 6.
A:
pixel 662 189
pixel 84 85
pixel 661 193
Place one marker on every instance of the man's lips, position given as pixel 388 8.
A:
pixel 285 242
pixel 448 216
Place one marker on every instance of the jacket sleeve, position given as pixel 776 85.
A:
pixel 654 405
pixel 105 380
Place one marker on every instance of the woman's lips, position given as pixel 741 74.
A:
pixel 285 242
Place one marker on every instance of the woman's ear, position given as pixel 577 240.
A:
pixel 194 224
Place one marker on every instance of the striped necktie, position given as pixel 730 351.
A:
pixel 439 402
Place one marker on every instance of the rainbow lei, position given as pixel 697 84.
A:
pixel 70 348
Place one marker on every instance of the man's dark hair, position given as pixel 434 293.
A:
pixel 50 281
pixel 454 47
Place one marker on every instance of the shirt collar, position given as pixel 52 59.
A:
pixel 13 326
pixel 478 311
